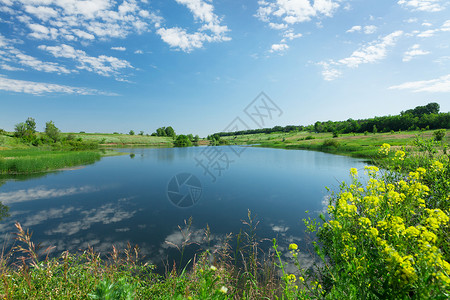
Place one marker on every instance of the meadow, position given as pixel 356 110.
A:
pixel 352 144
pixel 381 238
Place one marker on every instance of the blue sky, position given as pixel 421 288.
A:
pixel 106 66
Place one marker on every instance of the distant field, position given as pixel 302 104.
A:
pixel 358 145
pixel 124 139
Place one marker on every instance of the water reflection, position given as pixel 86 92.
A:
pixel 119 200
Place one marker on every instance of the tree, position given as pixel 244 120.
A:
pixel 141 133
pixel 196 138
pixel 131 132
pixel 20 130
pixel 182 141
pixel 31 125
pixel 170 132
pixel 52 131
pixel 161 131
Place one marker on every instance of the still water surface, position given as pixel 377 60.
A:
pixel 124 199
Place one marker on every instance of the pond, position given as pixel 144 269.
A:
pixel 143 197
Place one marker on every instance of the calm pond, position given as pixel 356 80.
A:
pixel 136 198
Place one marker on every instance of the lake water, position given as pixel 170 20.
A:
pixel 135 198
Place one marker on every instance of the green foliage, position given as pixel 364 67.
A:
pixel 331 143
pixel 52 131
pixel 439 134
pixel 170 132
pixel 2 132
pixel 374 129
pixel 31 125
pixel 131 132
pixel 107 290
pixel 419 117
pixel 182 141
pixel 335 134
pixel 32 161
pixel 141 133
pixel 20 130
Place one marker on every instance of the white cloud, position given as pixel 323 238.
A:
pixel 427 24
pixel 83 19
pixel 283 14
pixel 354 29
pixel 279 48
pixel 439 85
pixel 278 26
pixel 102 65
pixel 138 52
pixel 329 73
pixel 39 88
pixel 119 48
pixel 369 29
pixel 10 68
pixel 423 5
pixel 369 53
pixel 42 12
pixel 289 34
pixel 178 38
pixel 203 12
pixel 295 11
pixel 413 52
pixel 427 33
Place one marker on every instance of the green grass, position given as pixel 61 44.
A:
pixel 356 145
pixel 33 160
pixel 120 140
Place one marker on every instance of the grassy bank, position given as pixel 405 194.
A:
pixel 356 145
pixel 34 160
pixel 125 140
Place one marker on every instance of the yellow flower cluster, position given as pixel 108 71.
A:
pixel 384 149
pixel 399 155
pixel 391 225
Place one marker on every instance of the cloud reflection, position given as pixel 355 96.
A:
pixel 43 193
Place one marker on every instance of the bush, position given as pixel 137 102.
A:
pixel 182 141
pixel 335 134
pixel 52 131
pixel 309 137
pixel 330 143
pixel 131 132
pixel 439 134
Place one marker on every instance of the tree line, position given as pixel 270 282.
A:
pixel 420 117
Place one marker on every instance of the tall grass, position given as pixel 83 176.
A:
pixel 32 161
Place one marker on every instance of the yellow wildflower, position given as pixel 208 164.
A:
pixel 293 246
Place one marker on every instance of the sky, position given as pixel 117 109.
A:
pixel 200 65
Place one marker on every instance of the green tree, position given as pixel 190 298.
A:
pixel 141 132
pixel 20 130
pixel 161 131
pixel 31 125
pixel 170 132
pixel 131 132
pixel 439 134
pixel 196 138
pixel 182 141
pixel 52 131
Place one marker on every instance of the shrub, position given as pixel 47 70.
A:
pixel 52 131
pixel 309 137
pixel 439 134
pixel 330 143
pixel 131 132
pixel 335 134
